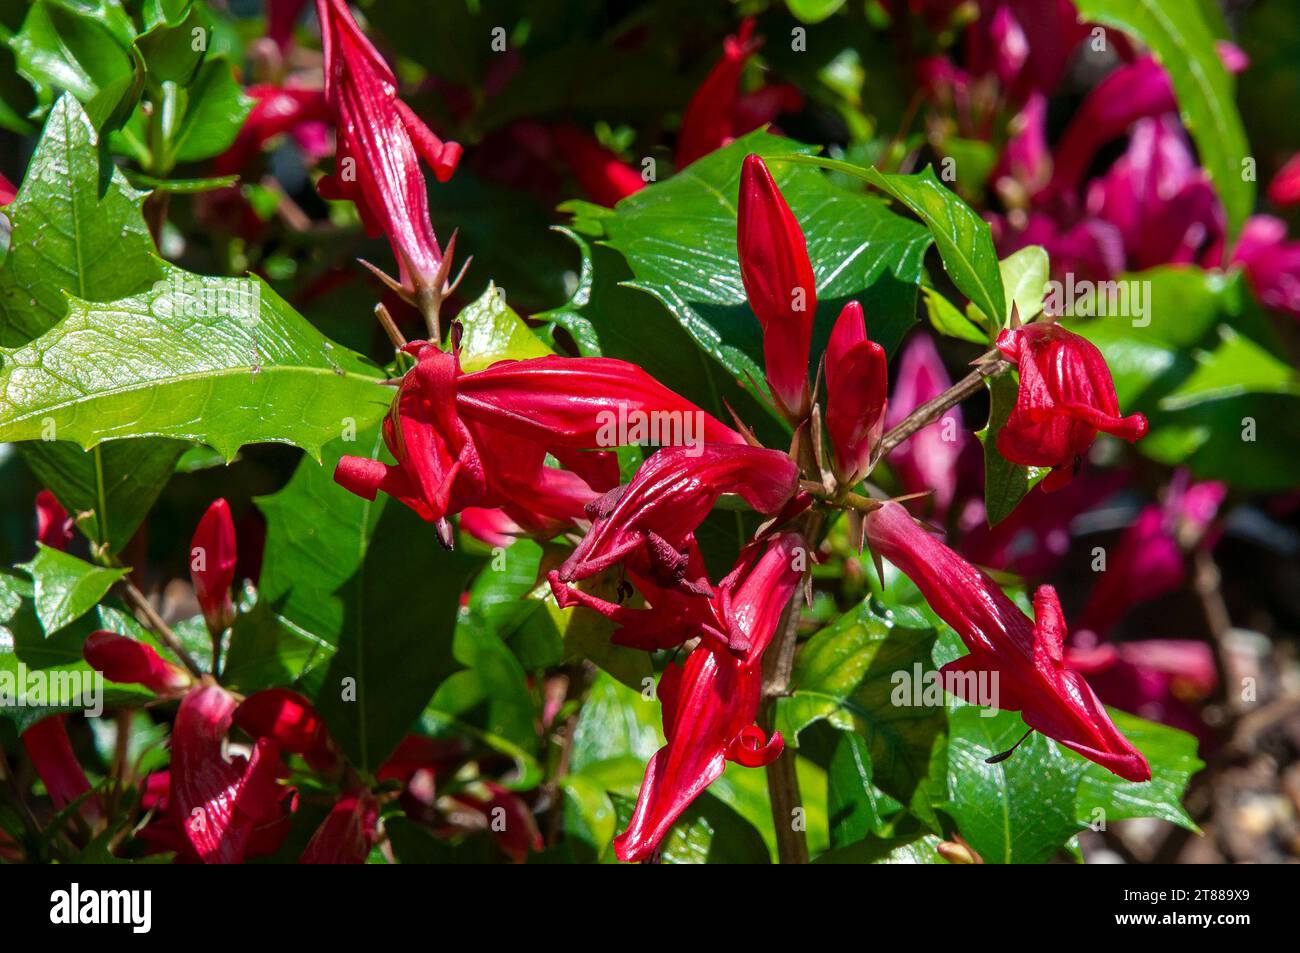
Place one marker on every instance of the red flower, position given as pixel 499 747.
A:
pixel 710 703
pixel 1066 396
pixel 509 819
pixel 380 143
pixel 123 659
pixel 212 566
pixel 779 283
pixel 290 721
pixel 717 113
pixel 652 520
pixel 50 751
pixel 53 527
pixel 220 805
pixel 1025 655
pixel 481 439
pixel 856 385
pixel 278 110
pixel 928 461
pixel 1284 190
pixel 347 834
pixel 605 177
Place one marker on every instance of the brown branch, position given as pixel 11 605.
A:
pixel 782 777
pixel 160 628
pixel 989 365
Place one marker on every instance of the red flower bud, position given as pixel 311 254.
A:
pixel 53 527
pixel 1066 396
pixel 605 177
pixel 347 834
pixel 779 282
pixel 856 386
pixel 212 566
pixel 123 659
pixel 47 744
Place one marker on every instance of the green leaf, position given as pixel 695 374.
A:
pixel 912 849
pixel 218 361
pixel 708 832
pixel 848 673
pixel 678 238
pixel 168 48
pixel 857 808
pixel 1184 43
pixel 946 319
pixel 366 585
pixel 65 588
pixel 1026 807
pixel 814 11
pixel 1024 276
pixel 1005 483
pixel 215 110
pixel 122 479
pixel 493 332
pixel 615 722
pixel 964 240
pixel 70 46
pixel 77 230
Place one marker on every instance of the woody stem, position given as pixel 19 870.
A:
pixel 989 366
pixel 782 778
pixel 140 602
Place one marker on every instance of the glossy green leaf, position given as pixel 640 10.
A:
pixel 814 11
pixel 964 240
pixel 1026 807
pixel 1005 483
pixel 344 573
pixel 946 319
pixel 848 673
pixel 215 110
pixel 1025 274
pixel 219 361
pixel 65 588
pixel 678 238
pixel 493 332
pixel 1181 39
pixel 81 48
pixel 856 807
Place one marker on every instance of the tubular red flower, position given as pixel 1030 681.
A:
pixel 53 527
pixel 212 565
pixel 707 122
pixel 709 704
pixel 481 439
pixel 219 804
pixel 277 110
pixel 347 834
pixel 654 516
pixel 1025 655
pixel 283 716
pixel 605 177
pixel 125 660
pixel 856 385
pixel 779 283
pixel 380 143
pixel 1271 263
pixel 1066 396
pixel 50 751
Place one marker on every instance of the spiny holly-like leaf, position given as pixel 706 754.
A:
pixel 1025 808
pixel 220 361
pixel 77 230
pixel 964 240
pixel 679 240
pixel 367 600
pixel 64 588
pixel 846 673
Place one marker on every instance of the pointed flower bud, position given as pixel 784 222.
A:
pixel 212 566
pixel 1066 396
pixel 1025 655
pixel 779 283
pixel 126 660
pixel 856 385
pixel 710 702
